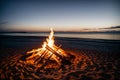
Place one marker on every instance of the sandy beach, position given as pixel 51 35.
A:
pixel 95 59
pixel 59 40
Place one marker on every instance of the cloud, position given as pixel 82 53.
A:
pixel 2 23
pixel 114 27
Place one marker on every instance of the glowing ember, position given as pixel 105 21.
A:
pixel 48 51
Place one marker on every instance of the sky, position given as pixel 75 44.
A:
pixel 61 15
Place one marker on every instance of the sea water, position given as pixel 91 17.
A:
pixel 93 35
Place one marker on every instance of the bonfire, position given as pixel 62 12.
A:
pixel 49 53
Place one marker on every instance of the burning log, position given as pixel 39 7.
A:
pixel 41 58
pixel 53 51
pixel 42 55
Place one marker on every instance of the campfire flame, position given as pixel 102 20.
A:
pixel 48 51
pixel 50 40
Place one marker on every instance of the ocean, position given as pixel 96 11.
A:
pixel 108 36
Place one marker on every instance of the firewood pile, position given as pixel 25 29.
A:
pixel 48 54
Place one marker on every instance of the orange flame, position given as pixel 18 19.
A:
pixel 49 42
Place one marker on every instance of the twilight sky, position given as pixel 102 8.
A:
pixel 62 15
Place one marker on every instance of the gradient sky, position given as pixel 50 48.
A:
pixel 62 15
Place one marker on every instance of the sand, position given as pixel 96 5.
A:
pixel 88 64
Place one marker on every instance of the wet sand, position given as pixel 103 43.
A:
pixel 94 60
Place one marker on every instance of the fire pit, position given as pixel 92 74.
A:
pixel 49 53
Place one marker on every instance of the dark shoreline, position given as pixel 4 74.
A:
pixel 27 41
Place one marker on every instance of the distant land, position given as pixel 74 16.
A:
pixel 67 32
